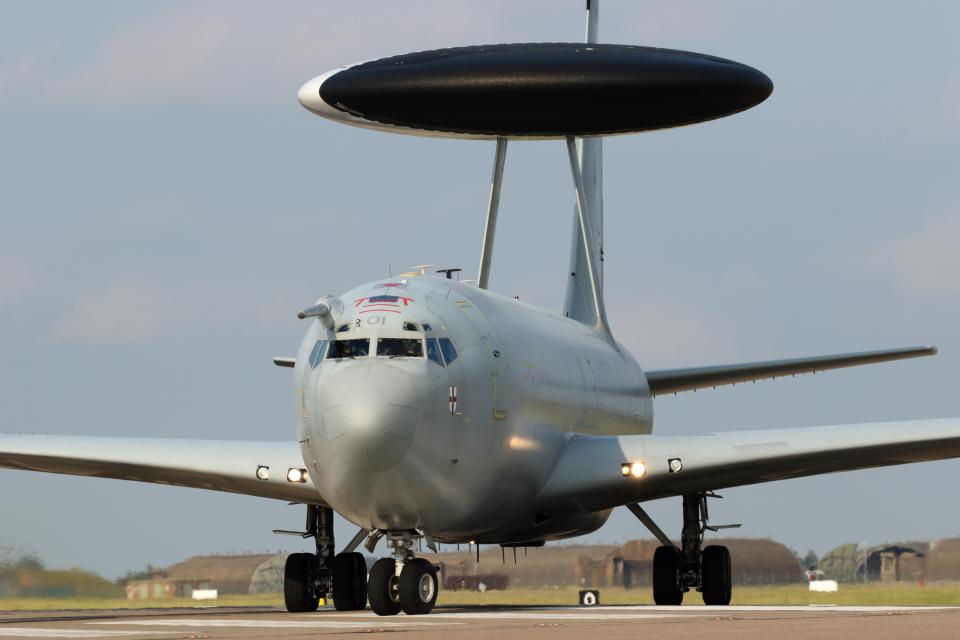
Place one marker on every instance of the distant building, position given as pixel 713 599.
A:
pixel 228 574
pixel 160 588
pixel 629 565
pixel 754 561
pixel 910 561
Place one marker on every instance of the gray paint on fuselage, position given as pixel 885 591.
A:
pixel 384 450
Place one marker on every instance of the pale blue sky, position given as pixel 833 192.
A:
pixel 167 207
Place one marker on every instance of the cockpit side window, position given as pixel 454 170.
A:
pixel 449 353
pixel 409 326
pixel 433 351
pixel 400 347
pixel 355 348
pixel 317 354
pixel 427 327
pixel 343 328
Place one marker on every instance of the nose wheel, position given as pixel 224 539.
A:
pixel 402 583
pixel 383 588
pixel 418 587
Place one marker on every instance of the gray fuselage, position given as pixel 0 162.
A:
pixel 456 442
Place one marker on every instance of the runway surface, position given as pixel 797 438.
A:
pixel 528 623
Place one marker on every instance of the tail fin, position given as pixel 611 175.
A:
pixel 579 299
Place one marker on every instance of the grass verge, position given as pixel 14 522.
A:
pixel 947 593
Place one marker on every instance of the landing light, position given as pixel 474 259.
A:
pixel 636 469
pixel 263 473
pixel 296 475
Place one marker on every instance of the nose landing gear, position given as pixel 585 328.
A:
pixel 402 583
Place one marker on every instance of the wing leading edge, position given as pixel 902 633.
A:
pixel 588 475
pixel 218 465
pixel 677 380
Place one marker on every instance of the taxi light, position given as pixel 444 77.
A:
pixel 263 473
pixel 636 469
pixel 296 475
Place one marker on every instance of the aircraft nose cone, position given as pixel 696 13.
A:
pixel 371 413
pixel 309 94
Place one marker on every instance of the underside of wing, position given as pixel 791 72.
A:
pixel 676 380
pixel 589 477
pixel 218 465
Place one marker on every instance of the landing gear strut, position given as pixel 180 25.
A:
pixel 403 582
pixel 308 576
pixel 676 571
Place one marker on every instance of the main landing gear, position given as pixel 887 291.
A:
pixel 676 571
pixel 401 583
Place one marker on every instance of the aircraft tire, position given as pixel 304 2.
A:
pixel 383 588
pixel 666 562
pixel 297 583
pixel 349 582
pixel 418 587
pixel 716 577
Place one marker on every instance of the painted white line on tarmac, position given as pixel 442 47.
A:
pixel 636 612
pixel 805 608
pixel 276 624
pixel 573 615
pixel 36 632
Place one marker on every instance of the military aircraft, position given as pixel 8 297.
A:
pixel 437 411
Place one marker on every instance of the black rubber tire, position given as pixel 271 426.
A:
pixel 298 583
pixel 382 588
pixel 666 562
pixel 349 582
pixel 716 577
pixel 418 587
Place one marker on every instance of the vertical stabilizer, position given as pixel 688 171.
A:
pixel 579 303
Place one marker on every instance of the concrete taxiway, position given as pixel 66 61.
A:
pixel 528 623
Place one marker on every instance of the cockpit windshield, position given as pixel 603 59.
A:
pixel 354 348
pixel 400 347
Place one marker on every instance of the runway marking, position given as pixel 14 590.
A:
pixel 277 624
pixel 800 608
pixel 573 615
pixel 642 612
pixel 35 632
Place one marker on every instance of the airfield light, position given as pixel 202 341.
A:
pixel 636 469
pixel 296 475
pixel 263 473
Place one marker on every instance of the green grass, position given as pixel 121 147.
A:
pixel 62 604
pixel 947 593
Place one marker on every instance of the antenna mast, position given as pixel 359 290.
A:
pixel 584 299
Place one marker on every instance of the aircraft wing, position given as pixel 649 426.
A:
pixel 588 476
pixel 218 465
pixel 677 380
